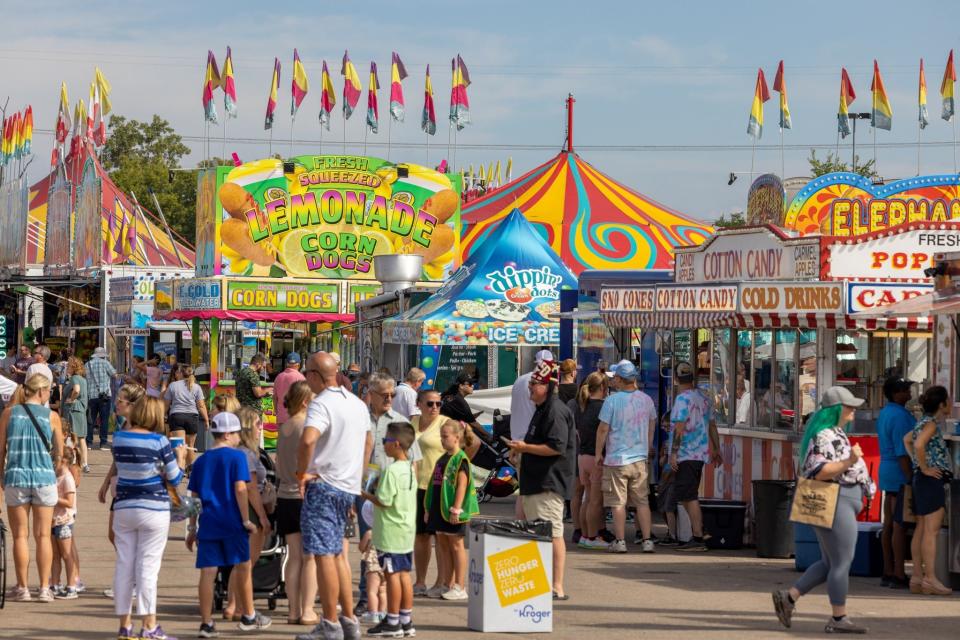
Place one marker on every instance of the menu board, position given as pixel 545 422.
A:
pixel 457 358
pixel 682 347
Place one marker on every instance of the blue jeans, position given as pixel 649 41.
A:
pixel 99 418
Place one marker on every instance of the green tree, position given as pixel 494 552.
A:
pixel 736 219
pixel 832 163
pixel 141 157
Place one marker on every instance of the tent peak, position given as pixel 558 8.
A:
pixel 568 146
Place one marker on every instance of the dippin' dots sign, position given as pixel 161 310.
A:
pixel 518 574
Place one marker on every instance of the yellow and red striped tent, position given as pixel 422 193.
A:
pixel 590 220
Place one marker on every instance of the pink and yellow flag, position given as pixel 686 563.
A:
pixel 946 89
pixel 229 86
pixel 211 81
pixel 299 85
pixel 397 74
pixel 328 97
pixel 272 96
pixel 847 96
pixel 881 117
pixel 924 115
pixel 27 141
pixel 351 86
pixel 428 119
pixel 780 86
pixel 373 109
pixel 459 104
pixel 760 95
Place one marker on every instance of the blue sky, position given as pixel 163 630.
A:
pixel 644 75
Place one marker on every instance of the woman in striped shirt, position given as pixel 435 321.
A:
pixel 141 514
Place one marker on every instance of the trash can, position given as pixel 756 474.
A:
pixel 771 509
pixel 723 521
pixel 510 576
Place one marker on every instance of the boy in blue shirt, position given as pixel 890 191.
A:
pixel 219 479
pixel 395 529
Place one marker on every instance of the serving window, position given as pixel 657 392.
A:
pixel 866 359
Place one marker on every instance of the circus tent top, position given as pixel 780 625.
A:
pixel 589 219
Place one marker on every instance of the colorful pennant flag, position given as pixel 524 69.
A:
pixel 79 128
pixel 299 85
pixel 272 96
pixel 229 86
pixel 946 89
pixel 104 90
pixel 373 109
pixel 126 235
pixel 27 135
pixel 397 74
pixel 459 104
pixel 351 86
pixel 780 86
pixel 847 96
pixel 428 120
pixel 328 98
pixel 509 169
pixel 62 128
pixel 760 95
pixel 922 99
pixel 211 80
pixel 96 130
pixel 18 135
pixel 5 152
pixel 881 116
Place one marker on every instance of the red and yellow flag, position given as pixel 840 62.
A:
pixel 211 81
pixel 351 86
pixel 229 86
pixel 459 104
pixel 397 74
pixel 299 85
pixel 272 96
pixel 760 95
pixel 373 109
pixel 881 117
pixel 922 99
pixel 428 119
pixel 946 89
pixel 847 96
pixel 780 86
pixel 328 97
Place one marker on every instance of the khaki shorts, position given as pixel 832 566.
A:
pixel 626 485
pixel 545 506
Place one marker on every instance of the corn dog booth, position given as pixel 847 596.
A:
pixel 286 250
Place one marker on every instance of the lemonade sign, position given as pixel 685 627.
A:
pixel 328 216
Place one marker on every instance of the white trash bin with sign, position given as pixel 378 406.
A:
pixel 510 576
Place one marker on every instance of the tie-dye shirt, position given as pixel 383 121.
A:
pixel 693 410
pixel 629 415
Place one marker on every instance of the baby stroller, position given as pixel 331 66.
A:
pixel 500 480
pixel 270 569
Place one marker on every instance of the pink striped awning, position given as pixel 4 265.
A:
pixel 707 320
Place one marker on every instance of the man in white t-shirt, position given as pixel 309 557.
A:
pixel 335 443
pixel 41 355
pixel 406 401
pixel 521 406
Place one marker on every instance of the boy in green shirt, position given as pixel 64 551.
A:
pixel 394 531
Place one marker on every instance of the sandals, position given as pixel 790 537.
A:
pixel 560 598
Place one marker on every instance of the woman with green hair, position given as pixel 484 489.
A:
pixel 827 455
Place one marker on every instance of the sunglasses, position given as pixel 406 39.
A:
pixel 432 403
pixel 385 395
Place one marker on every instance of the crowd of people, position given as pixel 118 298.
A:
pixel 393 461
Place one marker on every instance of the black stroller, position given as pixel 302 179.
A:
pixel 269 571
pixel 501 479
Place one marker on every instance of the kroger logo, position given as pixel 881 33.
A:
pixel 476 578
pixel 542 283
pixel 535 615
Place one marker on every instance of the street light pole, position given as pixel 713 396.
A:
pixel 855 117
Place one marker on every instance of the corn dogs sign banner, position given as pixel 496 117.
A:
pixel 326 217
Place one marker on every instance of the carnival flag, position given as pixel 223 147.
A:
pixel 328 98
pixel 62 128
pixel 509 169
pixel 780 86
pixel 6 148
pixel 373 110
pixel 229 86
pixel 946 89
pixel 397 74
pixel 922 99
pixel 79 128
pixel 459 104
pixel 96 130
pixel 760 95
pixel 272 96
pixel 28 130
pixel 882 115
pixel 211 80
pixel 118 245
pixel 104 88
pixel 18 135
pixel 299 85
pixel 428 120
pixel 847 96
pixel 351 86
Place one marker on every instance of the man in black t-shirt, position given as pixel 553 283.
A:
pixel 547 463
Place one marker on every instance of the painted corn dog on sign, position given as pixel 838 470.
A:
pixel 328 216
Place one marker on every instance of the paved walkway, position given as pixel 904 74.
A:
pixel 666 595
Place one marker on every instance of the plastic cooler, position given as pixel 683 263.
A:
pixel 772 500
pixel 867 560
pixel 871 457
pixel 510 576
pixel 723 520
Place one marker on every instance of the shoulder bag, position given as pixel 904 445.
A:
pixel 815 502
pixel 43 438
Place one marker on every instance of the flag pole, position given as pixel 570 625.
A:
pixel 783 170
pixel 389 127
pixel 427 163
pixel 954 120
pixel 753 155
pixel 344 134
pixel 293 118
pixel 270 144
pixel 450 127
pixel 875 149
pixel 366 129
pixel 223 151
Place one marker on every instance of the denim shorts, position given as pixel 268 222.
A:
pixel 323 517
pixel 37 496
pixel 62 531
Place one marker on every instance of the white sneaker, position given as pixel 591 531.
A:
pixel 108 593
pixel 45 595
pixel 456 592
pixel 647 546
pixel 617 546
pixel 420 591
pixel 20 594
pixel 436 592
pixel 593 543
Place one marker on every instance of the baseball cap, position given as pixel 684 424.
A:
pixel 684 372
pixel 543 355
pixel 625 370
pixel 894 384
pixel 293 358
pixel 545 373
pixel 225 423
pixel 840 395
